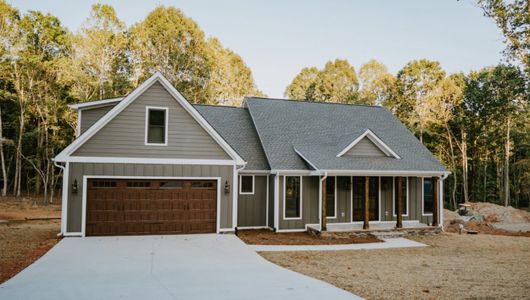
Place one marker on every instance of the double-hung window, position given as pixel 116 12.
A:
pixel 246 185
pixel 428 196
pixel 156 126
pixel 331 209
pixel 292 197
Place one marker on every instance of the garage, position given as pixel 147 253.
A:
pixel 148 206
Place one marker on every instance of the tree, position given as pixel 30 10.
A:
pixel 97 66
pixel 378 86
pixel 230 80
pixel 513 18
pixel 414 82
pixel 303 85
pixel 169 42
pixel 336 82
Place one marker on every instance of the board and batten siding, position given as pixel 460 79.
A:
pixel 271 201
pixel 365 147
pixel 310 194
pixel 89 116
pixel 124 136
pixel 78 170
pixel 252 208
pixel 415 200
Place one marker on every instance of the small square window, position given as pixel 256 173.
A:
pixel 156 126
pixel 247 185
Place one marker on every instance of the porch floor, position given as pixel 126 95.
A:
pixel 358 226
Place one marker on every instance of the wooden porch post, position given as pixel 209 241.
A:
pixel 436 201
pixel 324 206
pixel 366 219
pixel 399 213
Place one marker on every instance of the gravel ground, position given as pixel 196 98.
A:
pixel 454 267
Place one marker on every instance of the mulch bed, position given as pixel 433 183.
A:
pixel 268 237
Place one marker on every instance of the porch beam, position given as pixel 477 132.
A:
pixel 323 225
pixel 399 213
pixel 436 202
pixel 366 215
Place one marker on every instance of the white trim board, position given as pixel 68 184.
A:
pixel 375 139
pixel 155 161
pixel 116 110
pixel 95 104
pixel 84 195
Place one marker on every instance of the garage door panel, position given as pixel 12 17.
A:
pixel 118 207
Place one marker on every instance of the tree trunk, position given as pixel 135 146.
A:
pixel 464 165
pixel 18 156
pixel 4 171
pixel 453 166
pixel 507 166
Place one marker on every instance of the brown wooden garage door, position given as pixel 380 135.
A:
pixel 121 207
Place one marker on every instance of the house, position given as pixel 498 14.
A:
pixel 152 163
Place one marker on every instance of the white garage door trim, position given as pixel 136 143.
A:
pixel 86 177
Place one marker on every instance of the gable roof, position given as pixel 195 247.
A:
pixel 157 77
pixel 301 135
pixel 375 140
pixel 235 126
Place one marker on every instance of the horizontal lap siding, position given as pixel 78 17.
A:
pixel 309 204
pixel 124 136
pixel 252 209
pixel 78 170
pixel 91 116
pixel 365 147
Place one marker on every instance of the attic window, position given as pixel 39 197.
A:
pixel 156 126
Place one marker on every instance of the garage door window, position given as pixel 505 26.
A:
pixel 103 184
pixel 156 126
pixel 171 184
pixel 202 185
pixel 138 184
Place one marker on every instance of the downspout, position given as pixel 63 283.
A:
pixel 236 195
pixel 320 199
pixel 63 202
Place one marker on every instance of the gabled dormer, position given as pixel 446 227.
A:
pixel 368 145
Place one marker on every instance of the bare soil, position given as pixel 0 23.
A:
pixel 23 243
pixel 454 267
pixel 267 237
pixel 24 208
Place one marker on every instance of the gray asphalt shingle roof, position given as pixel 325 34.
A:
pixel 319 131
pixel 235 126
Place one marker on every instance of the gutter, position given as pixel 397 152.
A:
pixel 55 163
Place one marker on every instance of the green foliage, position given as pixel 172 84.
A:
pixel 337 82
pixel 378 86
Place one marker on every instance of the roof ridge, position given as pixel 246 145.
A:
pixel 314 102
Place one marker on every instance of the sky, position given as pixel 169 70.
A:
pixel 276 38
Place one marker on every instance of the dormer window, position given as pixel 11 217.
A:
pixel 156 126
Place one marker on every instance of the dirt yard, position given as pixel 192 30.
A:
pixel 267 237
pixel 454 267
pixel 22 242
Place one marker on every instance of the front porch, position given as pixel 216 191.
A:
pixel 374 226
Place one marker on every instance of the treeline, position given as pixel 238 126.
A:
pixel 477 124
pixel 44 67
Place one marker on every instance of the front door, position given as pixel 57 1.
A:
pixel 358 198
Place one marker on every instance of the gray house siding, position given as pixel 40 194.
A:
pixel 309 204
pixel 365 147
pixel 78 170
pixel 90 116
pixel 343 201
pixel 414 200
pixel 124 136
pixel 252 209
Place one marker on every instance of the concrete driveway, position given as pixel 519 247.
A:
pixel 161 267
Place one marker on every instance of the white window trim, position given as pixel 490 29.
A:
pixel 394 197
pixel 423 199
pixel 241 184
pixel 147 109
pixel 375 139
pixel 285 198
pixel 335 200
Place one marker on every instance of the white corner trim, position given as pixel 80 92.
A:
pixel 148 161
pixel 241 185
pixel 84 195
pixel 166 129
pixel 285 198
pixel 375 139
pixel 276 201
pixel 394 197
pixel 156 77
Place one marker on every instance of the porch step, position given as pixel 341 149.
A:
pixel 388 234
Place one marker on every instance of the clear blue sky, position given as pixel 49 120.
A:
pixel 277 38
